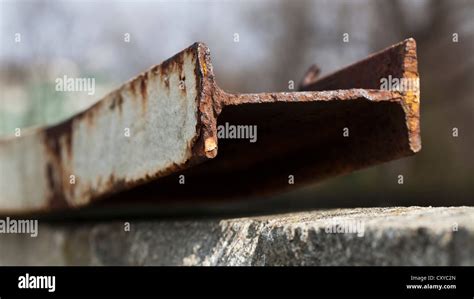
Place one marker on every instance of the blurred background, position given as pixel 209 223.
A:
pixel 257 46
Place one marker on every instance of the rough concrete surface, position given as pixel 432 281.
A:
pixel 386 236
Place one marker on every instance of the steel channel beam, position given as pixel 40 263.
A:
pixel 172 112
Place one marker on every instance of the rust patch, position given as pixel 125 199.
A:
pixel 114 183
pixel 117 102
pixel 143 88
pixel 88 115
pixel 57 199
pixel 60 133
pixel 207 102
pixel 132 87
pixel 58 143
pixel 139 90
pixel 144 92
pixel 156 70
pixel 174 63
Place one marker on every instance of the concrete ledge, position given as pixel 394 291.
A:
pixel 385 236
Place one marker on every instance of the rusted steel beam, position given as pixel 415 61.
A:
pixel 172 113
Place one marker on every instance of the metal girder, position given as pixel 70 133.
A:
pixel 172 113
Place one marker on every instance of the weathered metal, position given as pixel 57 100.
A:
pixel 172 112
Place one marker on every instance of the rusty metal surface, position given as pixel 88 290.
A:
pixel 173 132
pixel 397 61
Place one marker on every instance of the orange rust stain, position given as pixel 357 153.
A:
pixel 204 68
pixel 412 97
